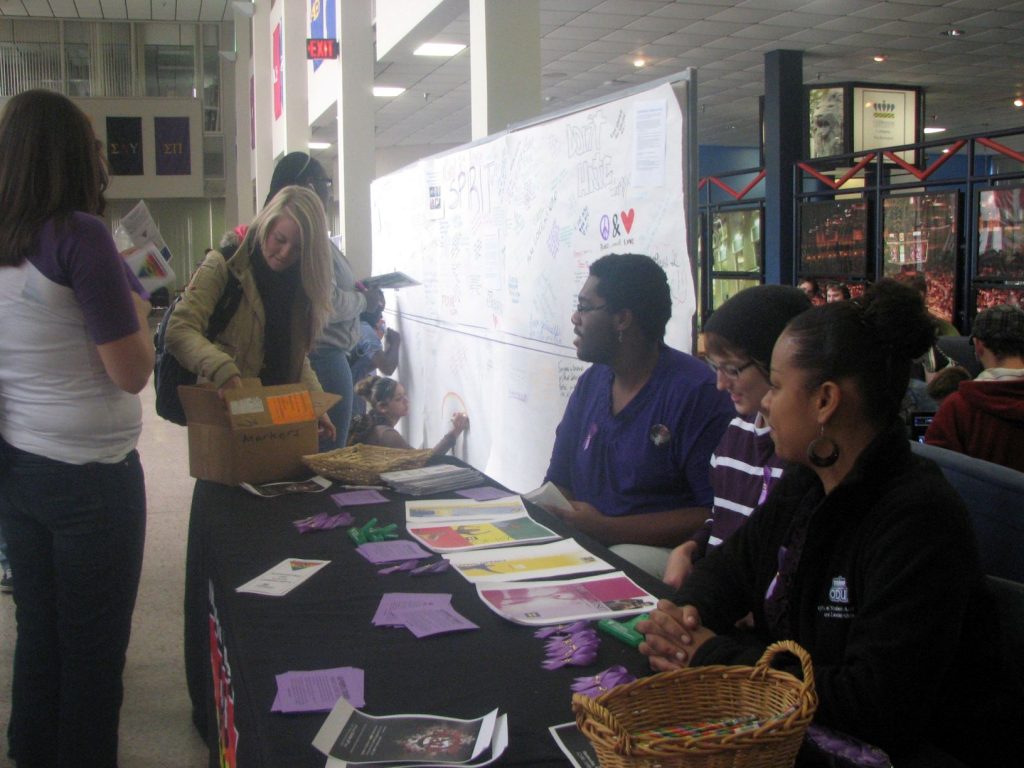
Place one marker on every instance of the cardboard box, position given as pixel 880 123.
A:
pixel 256 434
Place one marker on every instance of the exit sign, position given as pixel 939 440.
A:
pixel 321 48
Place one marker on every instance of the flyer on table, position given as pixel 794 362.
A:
pixel 559 558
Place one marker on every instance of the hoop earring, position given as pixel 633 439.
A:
pixel 818 443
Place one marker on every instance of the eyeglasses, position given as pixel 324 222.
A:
pixel 731 372
pixel 584 308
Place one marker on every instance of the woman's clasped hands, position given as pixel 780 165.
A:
pixel 672 635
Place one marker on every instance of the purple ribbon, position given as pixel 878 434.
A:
pixel 602 682
pixel 405 565
pixel 323 522
pixel 573 644
pixel 425 570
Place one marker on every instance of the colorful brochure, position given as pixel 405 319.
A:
pixel 559 558
pixel 451 510
pixel 607 596
pixel 481 534
pixel 352 737
pixel 283 577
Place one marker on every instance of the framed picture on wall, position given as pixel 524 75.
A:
pixel 1000 234
pixel 886 116
pixel 736 240
pixel 827 123
pixel 920 236
pixel 834 238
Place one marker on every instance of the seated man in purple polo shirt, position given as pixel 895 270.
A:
pixel 633 447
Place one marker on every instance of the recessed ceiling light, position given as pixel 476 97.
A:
pixel 934 129
pixel 953 32
pixel 879 57
pixel 439 49
pixel 387 91
pixel 319 145
pixel 1018 102
pixel 639 62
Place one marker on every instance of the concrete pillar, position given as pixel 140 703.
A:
pixel 295 29
pixel 783 132
pixel 355 132
pixel 239 141
pixel 504 47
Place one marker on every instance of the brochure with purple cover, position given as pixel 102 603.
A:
pixel 607 596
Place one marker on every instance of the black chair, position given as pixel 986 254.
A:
pixel 994 495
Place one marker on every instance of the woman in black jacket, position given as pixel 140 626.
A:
pixel 863 553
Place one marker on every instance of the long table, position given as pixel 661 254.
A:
pixel 236 643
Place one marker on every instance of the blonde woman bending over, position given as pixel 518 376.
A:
pixel 389 403
pixel 284 268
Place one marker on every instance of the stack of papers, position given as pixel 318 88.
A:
pixel 607 596
pixel 481 534
pixel 434 479
pixel 559 558
pixel 350 736
pixel 421 613
pixel 318 690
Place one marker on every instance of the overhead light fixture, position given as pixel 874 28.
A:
pixel 639 62
pixel 879 57
pixel 387 91
pixel 934 129
pixel 319 145
pixel 439 49
pixel 953 32
pixel 1018 102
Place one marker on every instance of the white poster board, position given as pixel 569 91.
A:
pixel 501 234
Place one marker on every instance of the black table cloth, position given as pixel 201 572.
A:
pixel 326 622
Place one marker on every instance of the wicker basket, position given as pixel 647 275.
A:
pixel 616 721
pixel 362 464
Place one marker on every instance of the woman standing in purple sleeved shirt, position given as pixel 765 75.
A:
pixel 738 339
pixel 75 350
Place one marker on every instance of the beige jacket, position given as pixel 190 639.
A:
pixel 238 350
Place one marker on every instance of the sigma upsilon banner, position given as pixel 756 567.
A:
pixel 322 22
pixel 173 148
pixel 124 146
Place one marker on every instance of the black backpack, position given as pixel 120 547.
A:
pixel 168 373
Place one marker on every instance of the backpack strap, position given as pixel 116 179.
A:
pixel 226 307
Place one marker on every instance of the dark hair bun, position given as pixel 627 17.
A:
pixel 364 387
pixel 896 315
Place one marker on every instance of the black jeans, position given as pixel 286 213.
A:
pixel 75 536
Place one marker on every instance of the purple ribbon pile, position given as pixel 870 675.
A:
pixel 569 644
pixel 594 685
pixel 323 522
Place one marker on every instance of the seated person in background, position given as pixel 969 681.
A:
pixel 369 355
pixel 984 418
pixel 284 268
pixel 810 287
pixel 946 382
pixel 388 404
pixel 837 292
pixel 863 553
pixel 632 450
pixel 739 337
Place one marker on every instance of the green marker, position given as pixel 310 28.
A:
pixel 619 631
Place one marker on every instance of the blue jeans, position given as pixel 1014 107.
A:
pixel 332 368
pixel 75 536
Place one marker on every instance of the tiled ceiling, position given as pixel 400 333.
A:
pixel 588 48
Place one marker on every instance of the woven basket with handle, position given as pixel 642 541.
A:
pixel 648 723
pixel 362 464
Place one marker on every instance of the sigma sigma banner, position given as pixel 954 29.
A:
pixel 501 234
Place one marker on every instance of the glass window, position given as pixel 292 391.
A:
pixel 170 70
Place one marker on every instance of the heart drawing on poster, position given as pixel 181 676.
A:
pixel 627 219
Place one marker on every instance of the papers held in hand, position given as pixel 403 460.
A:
pixel 390 280
pixel 352 737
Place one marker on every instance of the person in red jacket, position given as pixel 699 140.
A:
pixel 984 418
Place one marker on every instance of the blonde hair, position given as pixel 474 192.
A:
pixel 316 267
